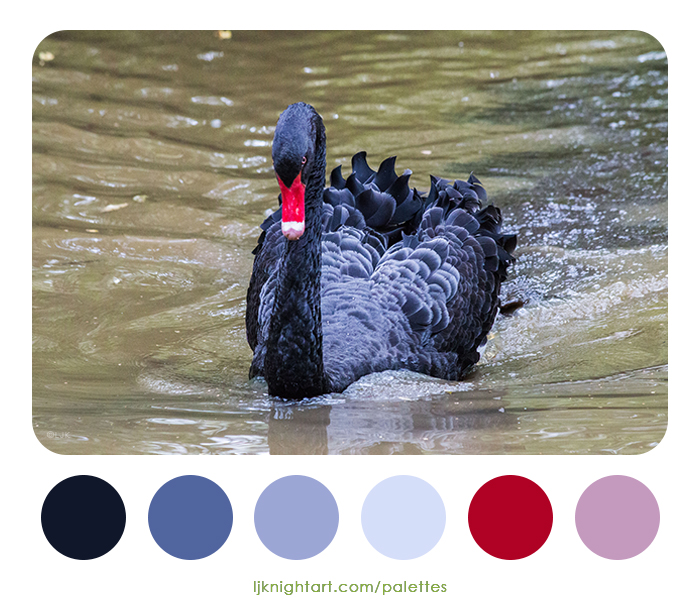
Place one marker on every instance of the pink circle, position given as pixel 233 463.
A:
pixel 617 517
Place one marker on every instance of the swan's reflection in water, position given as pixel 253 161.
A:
pixel 390 428
pixel 387 413
pixel 299 431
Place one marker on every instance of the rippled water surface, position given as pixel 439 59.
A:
pixel 152 172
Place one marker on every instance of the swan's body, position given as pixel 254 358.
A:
pixel 369 275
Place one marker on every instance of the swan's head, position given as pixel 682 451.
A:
pixel 294 156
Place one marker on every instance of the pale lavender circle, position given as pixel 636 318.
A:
pixel 617 517
pixel 403 517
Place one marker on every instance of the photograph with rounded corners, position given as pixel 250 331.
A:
pixel 361 242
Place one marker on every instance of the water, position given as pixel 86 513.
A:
pixel 152 172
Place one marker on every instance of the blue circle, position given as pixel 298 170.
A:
pixel 190 517
pixel 403 517
pixel 296 517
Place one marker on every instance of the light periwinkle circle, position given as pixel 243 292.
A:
pixel 403 517
pixel 296 517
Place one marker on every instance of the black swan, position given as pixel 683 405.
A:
pixel 368 275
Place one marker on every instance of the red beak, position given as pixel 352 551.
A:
pixel 292 208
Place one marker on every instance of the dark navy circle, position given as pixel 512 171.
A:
pixel 190 517
pixel 83 517
pixel 296 517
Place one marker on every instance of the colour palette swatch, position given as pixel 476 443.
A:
pixel 190 517
pixel 403 517
pixel 83 517
pixel 296 517
pixel 617 517
pixel 510 517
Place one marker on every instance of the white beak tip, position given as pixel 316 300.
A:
pixel 293 230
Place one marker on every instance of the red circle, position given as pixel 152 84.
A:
pixel 510 517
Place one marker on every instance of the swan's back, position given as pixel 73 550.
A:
pixel 408 280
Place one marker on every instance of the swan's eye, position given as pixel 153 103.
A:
pixel 303 160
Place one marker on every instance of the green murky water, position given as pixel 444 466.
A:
pixel 152 172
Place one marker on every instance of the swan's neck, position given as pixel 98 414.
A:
pixel 294 354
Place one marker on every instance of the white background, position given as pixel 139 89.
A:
pixel 137 574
